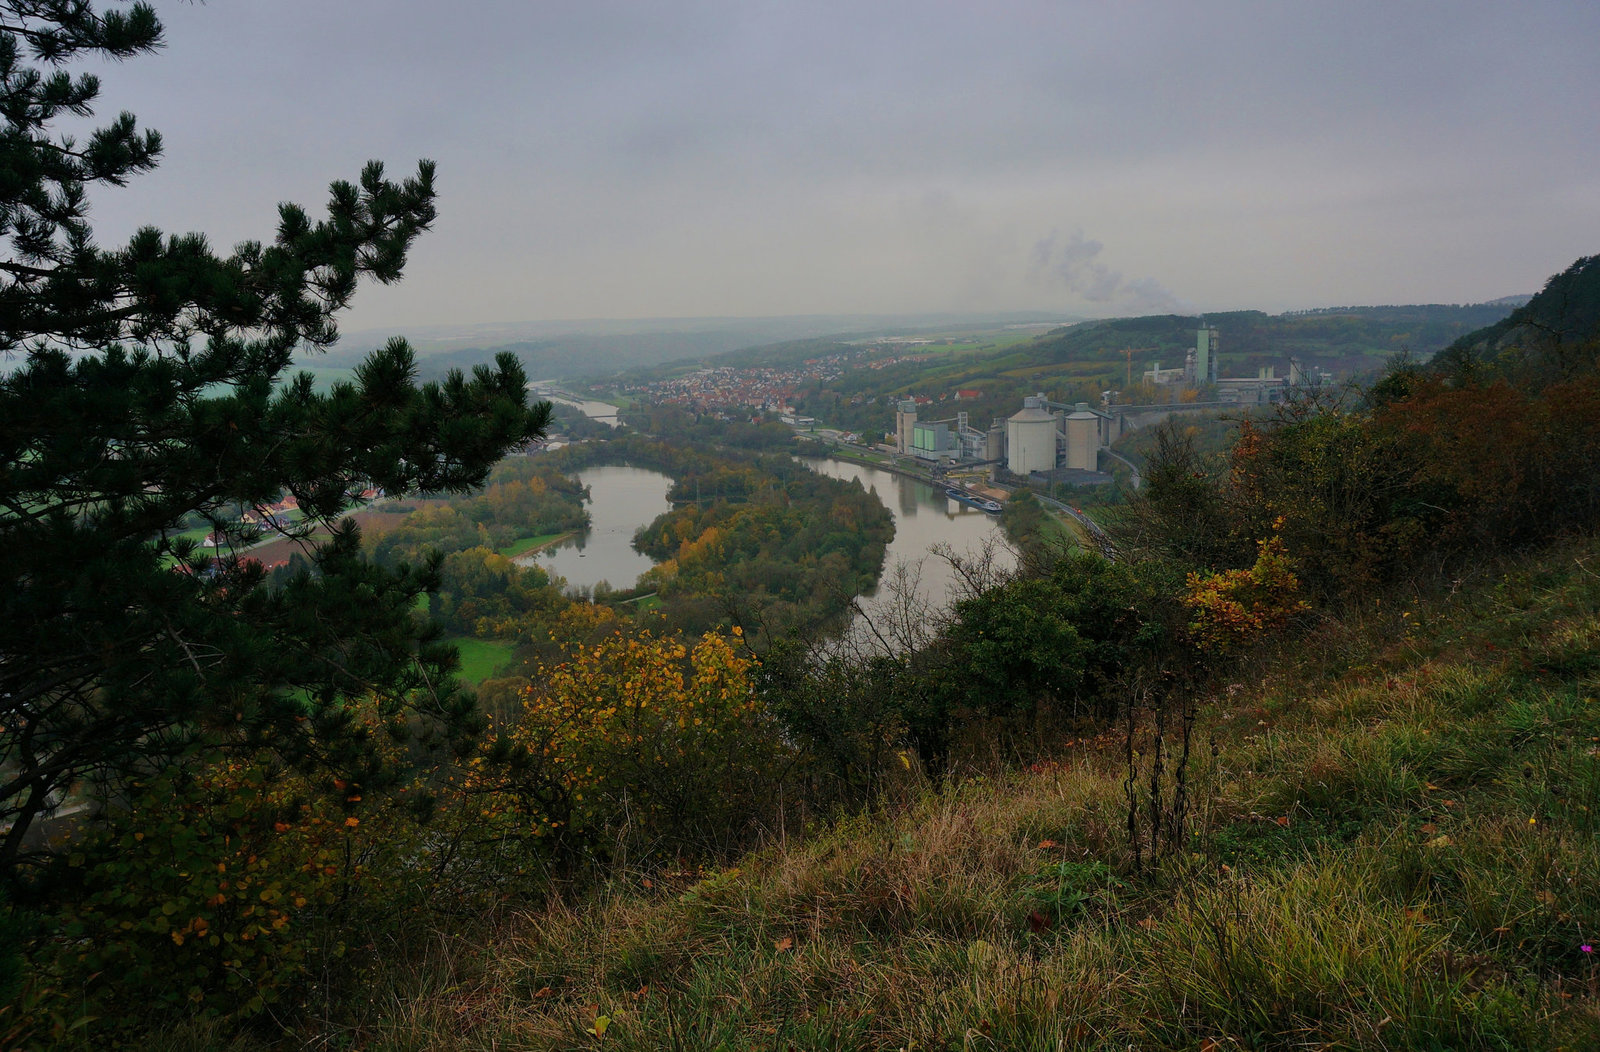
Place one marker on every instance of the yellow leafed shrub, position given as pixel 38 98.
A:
pixel 634 739
pixel 1237 607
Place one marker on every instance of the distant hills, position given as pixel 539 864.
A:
pixel 1344 340
pixel 1080 360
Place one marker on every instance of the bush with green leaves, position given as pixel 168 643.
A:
pixel 1059 640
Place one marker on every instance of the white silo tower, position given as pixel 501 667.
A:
pixel 1030 439
pixel 994 446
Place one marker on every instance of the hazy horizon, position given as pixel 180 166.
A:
pixel 489 334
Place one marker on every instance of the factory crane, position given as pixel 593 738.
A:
pixel 1129 352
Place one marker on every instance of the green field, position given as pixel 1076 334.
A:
pixel 1062 529
pixel 525 544
pixel 482 658
pixel 967 343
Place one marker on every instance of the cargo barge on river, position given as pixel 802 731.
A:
pixel 973 500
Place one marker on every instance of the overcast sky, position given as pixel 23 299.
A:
pixel 666 158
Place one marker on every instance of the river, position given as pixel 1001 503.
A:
pixel 623 499
pixel 604 412
pixel 923 518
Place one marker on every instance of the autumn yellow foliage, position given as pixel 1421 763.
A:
pixel 631 736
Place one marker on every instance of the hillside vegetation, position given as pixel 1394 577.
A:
pixel 1551 335
pixel 1395 847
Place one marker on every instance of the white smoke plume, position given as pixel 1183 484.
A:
pixel 1074 261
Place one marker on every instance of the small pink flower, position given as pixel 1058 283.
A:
pixel 1586 948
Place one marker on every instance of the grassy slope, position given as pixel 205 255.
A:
pixel 1396 848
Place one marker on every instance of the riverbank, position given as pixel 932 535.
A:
pixel 879 463
pixel 897 465
pixel 926 522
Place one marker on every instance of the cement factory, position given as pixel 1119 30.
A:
pixel 1042 437
pixel 1064 442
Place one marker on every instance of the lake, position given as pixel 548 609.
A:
pixel 621 499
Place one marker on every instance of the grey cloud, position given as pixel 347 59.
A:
pixel 627 157
pixel 1074 261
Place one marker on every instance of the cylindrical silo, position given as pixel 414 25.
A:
pixel 1083 438
pixel 1030 441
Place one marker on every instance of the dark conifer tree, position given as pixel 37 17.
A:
pixel 152 384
